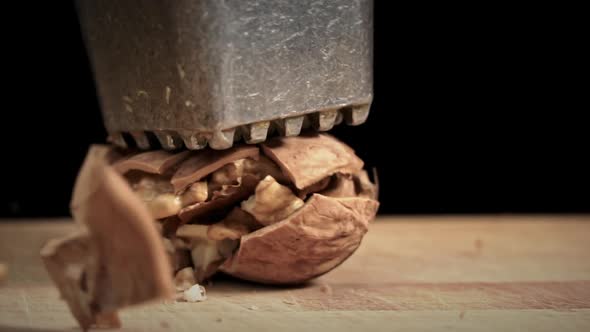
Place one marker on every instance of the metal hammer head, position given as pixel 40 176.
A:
pixel 198 72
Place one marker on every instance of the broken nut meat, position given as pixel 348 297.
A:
pixel 195 193
pixel 323 233
pixel 282 212
pixel 271 202
pixel 235 225
pixel 184 279
pixel 164 205
pixel 196 293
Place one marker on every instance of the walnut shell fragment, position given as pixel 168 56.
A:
pixel 155 162
pixel 118 257
pixel 309 243
pixel 308 159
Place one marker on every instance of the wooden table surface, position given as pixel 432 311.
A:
pixel 496 273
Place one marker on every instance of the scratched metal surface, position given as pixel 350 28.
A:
pixel 198 67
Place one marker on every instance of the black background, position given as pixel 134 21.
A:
pixel 476 109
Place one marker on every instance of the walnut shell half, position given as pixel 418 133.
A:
pixel 309 243
pixel 116 258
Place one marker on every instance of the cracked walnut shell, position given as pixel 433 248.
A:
pixel 282 212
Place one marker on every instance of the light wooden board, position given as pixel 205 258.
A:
pixel 508 273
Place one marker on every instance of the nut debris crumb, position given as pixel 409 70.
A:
pixel 167 95
pixel 326 289
pixel 253 307
pixel 289 302
pixel 196 293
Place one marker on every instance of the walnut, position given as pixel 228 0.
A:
pixel 207 254
pixel 195 193
pixel 156 221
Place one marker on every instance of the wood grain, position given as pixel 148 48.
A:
pixel 413 273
